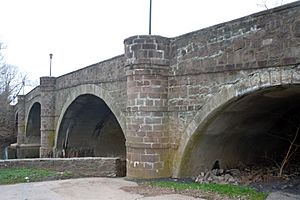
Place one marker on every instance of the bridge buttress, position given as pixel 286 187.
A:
pixel 148 146
pixel 47 88
pixel 21 124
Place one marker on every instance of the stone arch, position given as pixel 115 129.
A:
pixel 33 124
pixel 28 108
pixel 249 84
pixel 90 91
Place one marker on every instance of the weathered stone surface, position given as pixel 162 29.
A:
pixel 101 167
pixel 163 90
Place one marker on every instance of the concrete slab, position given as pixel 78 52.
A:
pixel 78 189
pixel 282 196
pixel 171 197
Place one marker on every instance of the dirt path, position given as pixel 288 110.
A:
pixel 106 189
pixel 78 189
pixel 282 196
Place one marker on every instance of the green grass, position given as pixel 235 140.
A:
pixel 21 175
pixel 223 189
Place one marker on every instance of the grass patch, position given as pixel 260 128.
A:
pixel 21 175
pixel 223 189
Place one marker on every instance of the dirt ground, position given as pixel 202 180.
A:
pixel 82 188
pixel 291 185
pixel 108 188
pixel 147 191
pixel 279 189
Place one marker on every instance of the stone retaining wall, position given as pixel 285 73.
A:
pixel 89 166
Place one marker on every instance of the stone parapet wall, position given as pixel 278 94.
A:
pixel 205 61
pixel 32 95
pixel 105 72
pixel 107 77
pixel 96 166
pixel 265 39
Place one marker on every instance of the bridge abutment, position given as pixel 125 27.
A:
pixel 21 124
pixel 47 88
pixel 147 63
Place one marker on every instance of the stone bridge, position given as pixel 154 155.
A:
pixel 173 106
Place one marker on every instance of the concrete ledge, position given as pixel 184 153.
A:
pixel 87 167
pixel 26 146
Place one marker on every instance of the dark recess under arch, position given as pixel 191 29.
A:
pixel 89 128
pixel 247 130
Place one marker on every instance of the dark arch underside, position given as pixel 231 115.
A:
pixel 33 128
pixel 89 128
pixel 248 130
pixel 33 133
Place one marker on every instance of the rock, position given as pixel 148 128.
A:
pixel 221 171
pixel 199 179
pixel 227 177
pixel 231 180
pixel 234 172
pixel 217 172
pixel 214 172
pixel 206 176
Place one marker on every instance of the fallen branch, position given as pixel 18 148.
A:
pixel 290 152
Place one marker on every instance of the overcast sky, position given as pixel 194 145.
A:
pixel 84 32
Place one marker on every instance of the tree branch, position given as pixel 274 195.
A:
pixel 283 138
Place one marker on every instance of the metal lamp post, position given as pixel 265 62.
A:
pixel 51 55
pixel 150 17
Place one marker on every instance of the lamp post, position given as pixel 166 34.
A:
pixel 150 17
pixel 51 55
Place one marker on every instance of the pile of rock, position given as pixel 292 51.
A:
pixel 232 176
pixel 246 175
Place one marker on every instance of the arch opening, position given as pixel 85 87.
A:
pixel 33 128
pixel 90 129
pixel 252 130
pixel 32 139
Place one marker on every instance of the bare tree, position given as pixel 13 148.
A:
pixel 267 4
pixel 292 148
pixel 11 80
pixel 263 3
pixel 11 83
pixel 289 138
